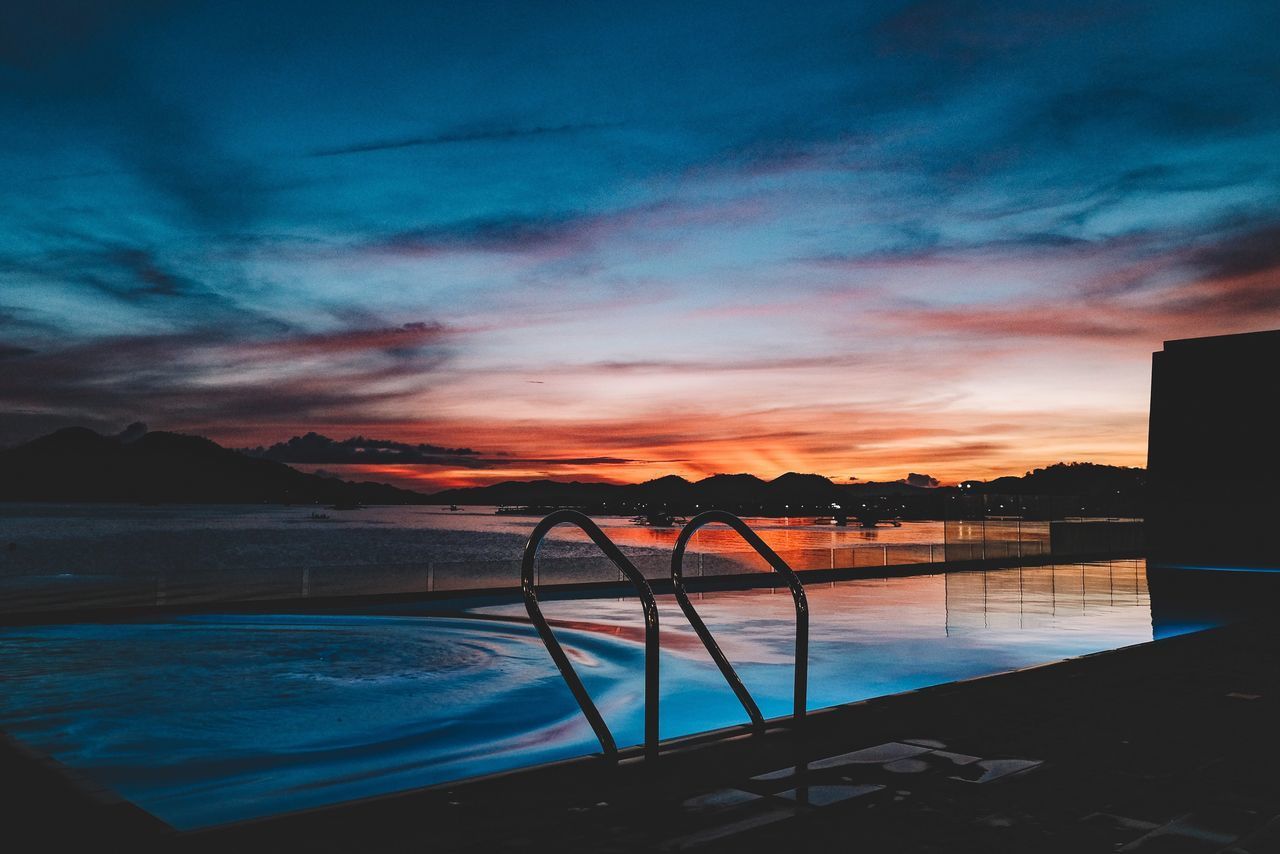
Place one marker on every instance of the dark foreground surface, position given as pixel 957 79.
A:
pixel 1167 747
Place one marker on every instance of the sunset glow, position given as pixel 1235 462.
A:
pixel 851 239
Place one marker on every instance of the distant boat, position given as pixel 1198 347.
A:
pixel 871 518
pixel 839 517
pixel 454 508
pixel 347 505
pixel 660 519
pixel 534 509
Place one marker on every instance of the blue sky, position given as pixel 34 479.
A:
pixel 857 239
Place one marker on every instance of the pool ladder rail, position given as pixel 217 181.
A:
pixel 800 687
pixel 528 585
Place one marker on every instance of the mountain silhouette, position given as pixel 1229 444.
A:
pixel 736 492
pixel 77 464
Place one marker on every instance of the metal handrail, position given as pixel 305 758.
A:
pixel 797 594
pixel 528 584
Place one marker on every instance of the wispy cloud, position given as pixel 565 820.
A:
pixel 461 135
pixel 209 377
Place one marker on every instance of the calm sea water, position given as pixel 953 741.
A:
pixel 213 718
pixel 60 555
pixel 98 534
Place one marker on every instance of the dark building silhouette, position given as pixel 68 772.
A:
pixel 1214 452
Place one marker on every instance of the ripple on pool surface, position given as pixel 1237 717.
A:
pixel 202 718
pixel 208 719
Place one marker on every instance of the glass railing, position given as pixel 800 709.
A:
pixel 203 557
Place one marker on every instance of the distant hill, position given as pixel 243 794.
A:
pixel 914 497
pixel 77 464
pixel 1068 479
pixel 794 492
pixel 794 488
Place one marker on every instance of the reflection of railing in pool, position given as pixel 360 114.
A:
pixel 529 585
pixel 779 566
pixel 1036 595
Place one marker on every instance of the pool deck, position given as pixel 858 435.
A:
pixel 1165 747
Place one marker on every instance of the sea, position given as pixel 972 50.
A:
pixel 71 555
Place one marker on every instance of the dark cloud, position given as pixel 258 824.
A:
pixel 829 360
pixel 1042 320
pixel 1222 305
pixel 969 33
pixel 511 233
pixel 131 273
pixel 559 230
pixel 176 154
pixel 78 73
pixel 1179 178
pixel 152 279
pixel 198 377
pixel 1143 107
pixel 572 461
pixel 37 33
pixel 914 479
pixel 1153 182
pixel 140 278
pixel 478 134
pixel 405 341
pixel 9 351
pixel 1182 281
pixel 921 249
pixel 1243 253
pixel 315 449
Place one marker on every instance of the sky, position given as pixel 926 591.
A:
pixel 612 241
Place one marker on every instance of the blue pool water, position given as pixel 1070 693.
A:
pixel 214 718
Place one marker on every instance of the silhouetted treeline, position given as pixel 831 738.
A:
pixel 1093 490
pixel 1069 479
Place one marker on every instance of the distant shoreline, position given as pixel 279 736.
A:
pixel 76 465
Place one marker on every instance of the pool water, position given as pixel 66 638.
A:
pixel 207 719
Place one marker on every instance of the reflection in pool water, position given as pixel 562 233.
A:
pixel 207 719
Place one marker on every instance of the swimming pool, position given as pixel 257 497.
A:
pixel 211 718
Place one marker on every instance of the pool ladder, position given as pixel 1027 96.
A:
pixel 528 585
